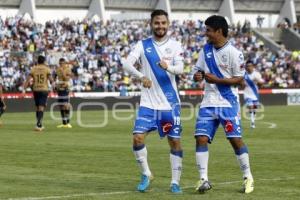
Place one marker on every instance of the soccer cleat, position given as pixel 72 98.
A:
pixel 60 126
pixel 203 186
pixel 145 183
pixel 248 185
pixel 252 125
pixel 68 126
pixel 175 188
pixel 39 129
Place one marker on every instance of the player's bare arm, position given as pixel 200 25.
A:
pixel 210 78
pixel 26 83
pixel 242 85
pixel 51 80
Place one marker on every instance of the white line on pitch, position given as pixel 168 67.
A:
pixel 126 192
pixel 272 125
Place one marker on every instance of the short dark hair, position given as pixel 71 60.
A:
pixel 218 22
pixel 62 60
pixel 249 62
pixel 41 59
pixel 159 12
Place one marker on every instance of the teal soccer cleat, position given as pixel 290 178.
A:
pixel 175 189
pixel 145 183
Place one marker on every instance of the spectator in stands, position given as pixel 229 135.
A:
pixel 97 48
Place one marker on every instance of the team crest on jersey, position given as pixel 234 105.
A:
pixel 168 50
pixel 224 58
pixel 241 57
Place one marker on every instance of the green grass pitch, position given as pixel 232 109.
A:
pixel 97 163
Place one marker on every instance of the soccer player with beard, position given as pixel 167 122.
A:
pixel 161 59
pixel 223 67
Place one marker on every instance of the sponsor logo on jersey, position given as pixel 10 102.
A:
pixel 209 54
pixel 149 49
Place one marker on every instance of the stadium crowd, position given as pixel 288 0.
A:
pixel 96 50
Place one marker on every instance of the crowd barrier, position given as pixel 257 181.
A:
pixel 16 102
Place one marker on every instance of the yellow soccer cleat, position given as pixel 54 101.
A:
pixel 248 185
pixel 60 126
pixel 68 126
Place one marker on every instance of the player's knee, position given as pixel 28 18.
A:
pixel 236 143
pixel 138 139
pixel 41 108
pixel 174 144
pixel 201 140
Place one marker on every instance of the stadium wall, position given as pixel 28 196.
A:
pixel 129 102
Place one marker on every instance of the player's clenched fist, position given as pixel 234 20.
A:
pixel 146 82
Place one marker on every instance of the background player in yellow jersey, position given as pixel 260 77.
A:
pixel 2 103
pixel 40 74
pixel 64 75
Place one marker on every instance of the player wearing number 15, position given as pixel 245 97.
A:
pixel 40 74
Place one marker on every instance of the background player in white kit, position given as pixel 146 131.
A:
pixel 223 67
pixel 253 79
pixel 161 59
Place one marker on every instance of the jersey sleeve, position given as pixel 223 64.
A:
pixel 137 51
pixel 178 57
pixel 258 78
pixel 238 64
pixel 200 64
pixel 177 65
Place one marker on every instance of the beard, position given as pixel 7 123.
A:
pixel 160 33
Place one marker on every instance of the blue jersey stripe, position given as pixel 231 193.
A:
pixel 225 90
pixel 161 75
pixel 251 85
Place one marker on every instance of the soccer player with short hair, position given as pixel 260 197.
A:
pixel 161 59
pixel 2 103
pixel 64 75
pixel 223 68
pixel 40 74
pixel 251 96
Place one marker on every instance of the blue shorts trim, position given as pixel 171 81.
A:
pixel 164 121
